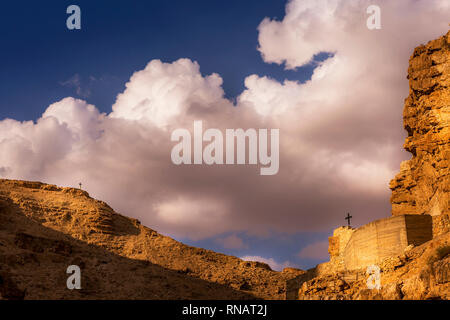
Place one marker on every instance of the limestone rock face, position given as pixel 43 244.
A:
pixel 423 184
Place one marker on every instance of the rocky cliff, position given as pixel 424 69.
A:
pixel 421 187
pixel 423 184
pixel 44 229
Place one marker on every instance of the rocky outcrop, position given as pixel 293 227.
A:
pixel 336 248
pixel 44 229
pixel 423 184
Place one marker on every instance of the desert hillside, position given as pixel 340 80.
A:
pixel 420 269
pixel 44 229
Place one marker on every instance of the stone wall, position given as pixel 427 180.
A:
pixel 385 238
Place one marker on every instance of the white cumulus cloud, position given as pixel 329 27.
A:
pixel 340 132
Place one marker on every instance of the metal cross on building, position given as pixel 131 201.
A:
pixel 348 217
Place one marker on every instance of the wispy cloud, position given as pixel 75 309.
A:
pixel 316 250
pixel 76 83
pixel 232 242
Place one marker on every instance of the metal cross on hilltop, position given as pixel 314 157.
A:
pixel 80 184
pixel 348 217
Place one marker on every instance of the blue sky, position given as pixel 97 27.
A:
pixel 39 53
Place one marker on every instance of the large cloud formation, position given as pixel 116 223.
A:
pixel 340 132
